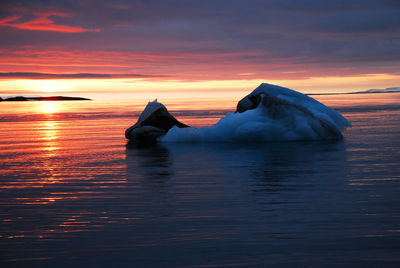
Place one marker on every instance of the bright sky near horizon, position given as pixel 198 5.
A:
pixel 193 48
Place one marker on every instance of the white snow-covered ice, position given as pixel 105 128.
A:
pixel 269 113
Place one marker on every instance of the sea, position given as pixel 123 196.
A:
pixel 75 193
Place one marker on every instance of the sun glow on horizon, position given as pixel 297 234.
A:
pixel 50 86
pixel 44 86
pixel 147 88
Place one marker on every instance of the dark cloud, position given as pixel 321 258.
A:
pixel 384 21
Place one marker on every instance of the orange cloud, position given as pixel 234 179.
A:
pixel 42 22
pixel 6 20
pixel 61 63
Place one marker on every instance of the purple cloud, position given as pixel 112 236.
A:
pixel 29 75
pixel 332 34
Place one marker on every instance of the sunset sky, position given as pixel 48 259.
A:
pixel 182 48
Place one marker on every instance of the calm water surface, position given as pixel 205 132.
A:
pixel 73 193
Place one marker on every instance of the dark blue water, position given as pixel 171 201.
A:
pixel 74 193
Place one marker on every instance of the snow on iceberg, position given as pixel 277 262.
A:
pixel 269 113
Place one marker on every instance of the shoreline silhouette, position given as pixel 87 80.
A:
pixel 51 98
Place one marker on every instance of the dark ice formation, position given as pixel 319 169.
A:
pixel 153 122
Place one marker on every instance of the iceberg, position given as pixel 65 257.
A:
pixel 269 113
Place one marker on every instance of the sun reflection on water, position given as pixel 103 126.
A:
pixel 49 131
pixel 49 139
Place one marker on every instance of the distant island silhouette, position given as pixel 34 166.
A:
pixel 385 90
pixel 51 98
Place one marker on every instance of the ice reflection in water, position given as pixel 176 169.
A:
pixel 235 173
